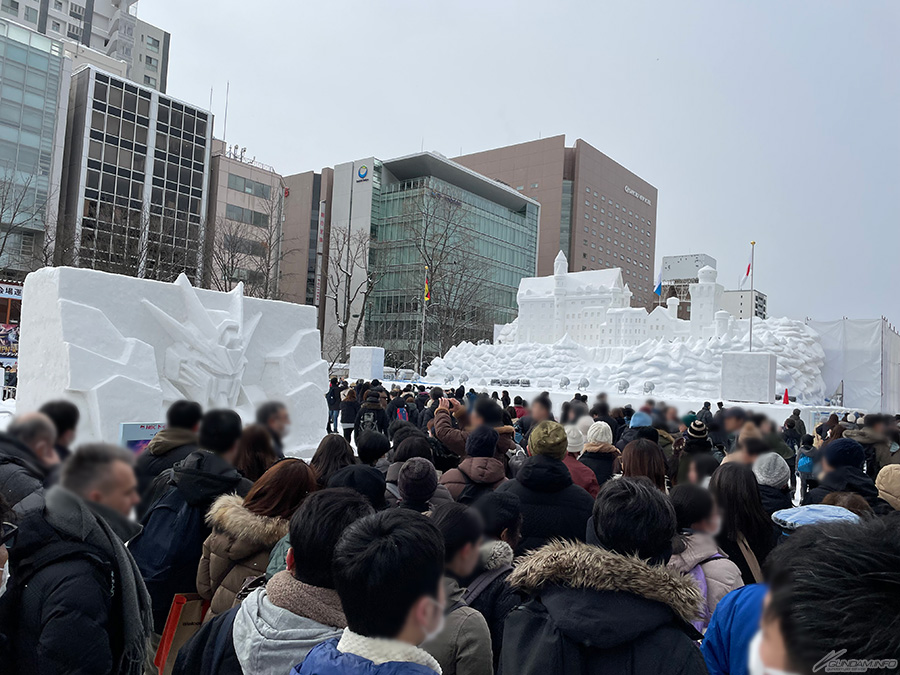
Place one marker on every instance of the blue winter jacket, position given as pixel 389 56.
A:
pixel 734 623
pixel 327 660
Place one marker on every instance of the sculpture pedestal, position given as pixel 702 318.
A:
pixel 366 363
pixel 748 377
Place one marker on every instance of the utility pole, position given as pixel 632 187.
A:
pixel 426 293
pixel 752 293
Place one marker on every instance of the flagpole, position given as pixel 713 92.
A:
pixel 425 292
pixel 752 294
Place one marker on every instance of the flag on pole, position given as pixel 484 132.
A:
pixel 746 271
pixel 427 287
pixel 657 288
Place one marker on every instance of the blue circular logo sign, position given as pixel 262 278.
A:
pixel 363 171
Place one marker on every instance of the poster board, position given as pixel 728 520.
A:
pixel 136 435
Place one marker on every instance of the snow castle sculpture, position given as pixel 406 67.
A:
pixel 581 325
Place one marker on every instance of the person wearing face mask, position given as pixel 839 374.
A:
pixel 28 460
pixel 464 646
pixel 840 616
pixel 388 572
pixel 696 553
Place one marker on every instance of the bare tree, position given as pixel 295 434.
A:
pixel 23 213
pixel 350 282
pixel 231 252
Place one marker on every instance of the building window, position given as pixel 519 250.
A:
pixel 152 64
pixel 31 15
pixel 57 5
pixel 76 11
pixel 534 185
pixel 57 28
pixel 152 44
pixel 150 81
pixel 247 216
pixel 74 32
pixel 250 187
pixel 10 7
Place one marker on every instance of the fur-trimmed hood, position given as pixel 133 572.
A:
pixel 495 554
pixel 582 566
pixel 228 515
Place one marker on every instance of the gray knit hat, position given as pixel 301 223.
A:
pixel 417 480
pixel 771 469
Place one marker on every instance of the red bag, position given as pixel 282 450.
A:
pixel 185 618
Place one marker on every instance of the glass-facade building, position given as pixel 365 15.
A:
pixel 34 85
pixel 137 167
pixel 479 235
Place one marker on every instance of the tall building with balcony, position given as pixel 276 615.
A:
pixel 599 213
pixel 136 189
pixel 109 26
pixel 245 240
pixel 34 89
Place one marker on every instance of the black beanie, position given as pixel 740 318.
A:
pixel 366 480
pixel 482 442
pixel 649 433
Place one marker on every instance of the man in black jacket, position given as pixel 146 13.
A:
pixel 64 415
pixel 171 544
pixel 169 446
pixel 28 459
pixel 553 507
pixel 609 608
pixel 76 602
pixel 842 462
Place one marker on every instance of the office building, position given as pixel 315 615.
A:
pixel 741 303
pixel 34 89
pixel 593 209
pixel 135 196
pixel 678 273
pixel 306 226
pixel 244 234
pixel 108 26
pixel 389 219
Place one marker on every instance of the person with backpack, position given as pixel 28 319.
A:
pixel 808 465
pixel 480 472
pixel 371 416
pixel 400 408
pixel 463 647
pixel 695 553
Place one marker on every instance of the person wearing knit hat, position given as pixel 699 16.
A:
pixel 599 453
pixel 842 462
pixel 773 476
pixel 696 442
pixel 553 506
pixel 480 472
pixel 366 480
pixel 581 474
pixel 640 419
pixel 697 429
pixel 888 484
pixel 417 483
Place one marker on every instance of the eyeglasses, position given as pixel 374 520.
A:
pixel 7 533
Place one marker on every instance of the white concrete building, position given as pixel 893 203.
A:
pixel 740 303
pixel 109 26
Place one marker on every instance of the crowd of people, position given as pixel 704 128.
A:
pixel 455 533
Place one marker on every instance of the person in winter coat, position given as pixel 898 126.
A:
pixel 552 505
pixel 705 414
pixel 273 415
pixel 371 416
pixel 426 414
pixel 245 530
pixel 480 471
pixel 487 588
pixel 168 446
pixel 171 543
pixel 599 453
pixel 349 411
pixel 695 552
pixel 612 607
pixel 748 534
pixel 417 483
pixel 275 627
pixel 808 465
pixel 402 408
pixel 799 424
pixel 414 445
pixel 773 476
pixel 639 421
pixel 332 454
pixel 731 630
pixel 842 462
pixel 333 398
pixel 64 415
pixel 255 453
pixel 76 602
pixel 388 571
pixel 28 460
pixel 582 476
pixel 888 484
pixel 464 646
pixel 696 442
pixel 880 451
pixel 484 412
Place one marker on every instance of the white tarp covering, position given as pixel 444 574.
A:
pixel 864 356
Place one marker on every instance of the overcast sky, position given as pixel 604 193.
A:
pixel 767 120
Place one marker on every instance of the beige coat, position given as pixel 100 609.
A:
pixel 464 646
pixel 722 575
pixel 238 547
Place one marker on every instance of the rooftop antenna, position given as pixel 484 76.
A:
pixel 225 121
pixel 423 144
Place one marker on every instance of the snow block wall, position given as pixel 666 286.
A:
pixel 123 349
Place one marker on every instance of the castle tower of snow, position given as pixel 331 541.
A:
pixel 560 270
pixel 705 298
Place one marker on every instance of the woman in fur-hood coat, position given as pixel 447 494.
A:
pixel 595 611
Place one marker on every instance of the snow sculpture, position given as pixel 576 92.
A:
pixel 366 363
pixel 123 349
pixel 580 325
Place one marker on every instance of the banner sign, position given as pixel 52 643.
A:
pixel 9 340
pixel 136 435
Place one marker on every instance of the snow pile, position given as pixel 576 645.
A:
pixel 682 366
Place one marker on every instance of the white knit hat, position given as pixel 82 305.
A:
pixel 576 439
pixel 599 433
